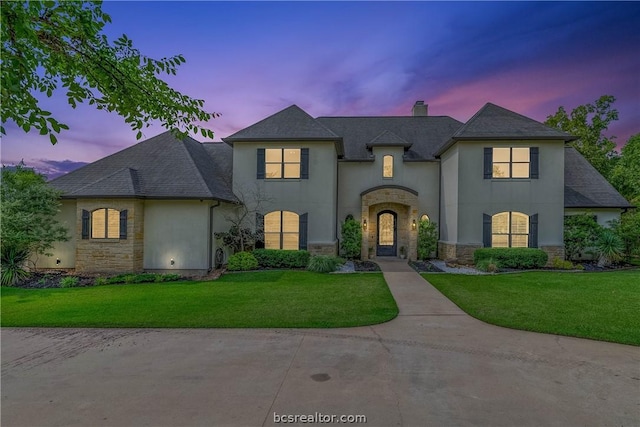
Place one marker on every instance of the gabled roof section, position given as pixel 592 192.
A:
pixel 584 187
pixel 425 134
pixel 493 121
pixel 388 139
pixel 292 123
pixel 159 167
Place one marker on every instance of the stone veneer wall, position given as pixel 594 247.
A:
pixel 461 253
pixel 323 248
pixel 553 252
pixel 404 204
pixel 111 255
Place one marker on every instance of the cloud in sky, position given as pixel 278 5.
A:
pixel 248 60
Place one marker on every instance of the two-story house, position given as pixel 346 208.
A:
pixel 499 180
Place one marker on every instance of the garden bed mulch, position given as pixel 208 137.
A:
pixel 365 266
pixel 51 279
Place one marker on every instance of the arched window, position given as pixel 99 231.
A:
pixel 387 166
pixel 282 230
pixel 105 224
pixel 424 217
pixel 510 230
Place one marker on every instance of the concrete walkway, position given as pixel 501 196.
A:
pixel 432 365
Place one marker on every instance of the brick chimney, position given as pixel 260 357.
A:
pixel 419 109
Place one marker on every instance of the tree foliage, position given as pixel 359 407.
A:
pixel 588 122
pixel 626 173
pixel 28 208
pixel 47 45
pixel 581 233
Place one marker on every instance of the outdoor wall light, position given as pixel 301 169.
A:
pixel 172 261
pixel 364 224
pixel 413 224
pixel 58 261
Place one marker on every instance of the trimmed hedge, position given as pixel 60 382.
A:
pixel 242 261
pixel 512 257
pixel 280 258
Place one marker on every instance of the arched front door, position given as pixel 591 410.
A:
pixel 387 240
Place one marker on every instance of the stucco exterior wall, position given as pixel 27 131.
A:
pixel 111 255
pixel 316 196
pixel 449 197
pixel 177 230
pixel 63 251
pixel 356 177
pixel 603 215
pixel 543 196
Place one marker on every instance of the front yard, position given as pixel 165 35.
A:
pixel 602 306
pixel 270 299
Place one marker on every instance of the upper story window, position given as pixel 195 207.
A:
pixel 283 163
pixel 387 166
pixel 511 162
pixel 510 230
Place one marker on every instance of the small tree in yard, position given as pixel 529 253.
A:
pixel 28 208
pixel 427 238
pixel 351 243
pixel 581 232
pixel 240 236
pixel 627 228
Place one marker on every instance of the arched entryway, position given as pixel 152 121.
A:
pixel 387 230
pixel 399 233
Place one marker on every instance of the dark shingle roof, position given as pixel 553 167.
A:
pixel 424 134
pixel 159 167
pixel 292 123
pixel 388 139
pixel 495 122
pixel 584 187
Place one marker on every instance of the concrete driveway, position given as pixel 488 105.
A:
pixel 431 366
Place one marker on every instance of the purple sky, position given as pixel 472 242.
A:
pixel 249 60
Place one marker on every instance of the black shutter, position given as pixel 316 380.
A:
pixel 533 166
pixel 302 242
pixel 260 165
pixel 304 163
pixel 259 230
pixel 488 163
pixel 486 230
pixel 533 231
pixel 85 224
pixel 123 224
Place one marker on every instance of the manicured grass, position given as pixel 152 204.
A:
pixel 272 299
pixel 601 306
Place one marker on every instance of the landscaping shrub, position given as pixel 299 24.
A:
pixel 609 248
pixel 562 264
pixel 242 261
pixel 280 258
pixel 580 233
pixel 69 282
pixel 512 257
pixel 628 229
pixel 100 281
pixel 138 278
pixel 489 265
pixel 12 265
pixel 351 242
pixel 324 263
pixel 427 238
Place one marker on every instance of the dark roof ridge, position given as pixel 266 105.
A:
pixel 133 175
pixel 193 162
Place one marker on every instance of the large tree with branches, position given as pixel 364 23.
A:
pixel 47 45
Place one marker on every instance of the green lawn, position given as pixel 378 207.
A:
pixel 601 306
pixel 271 299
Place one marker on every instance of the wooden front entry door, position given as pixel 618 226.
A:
pixel 387 234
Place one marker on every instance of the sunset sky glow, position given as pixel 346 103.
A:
pixel 248 60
